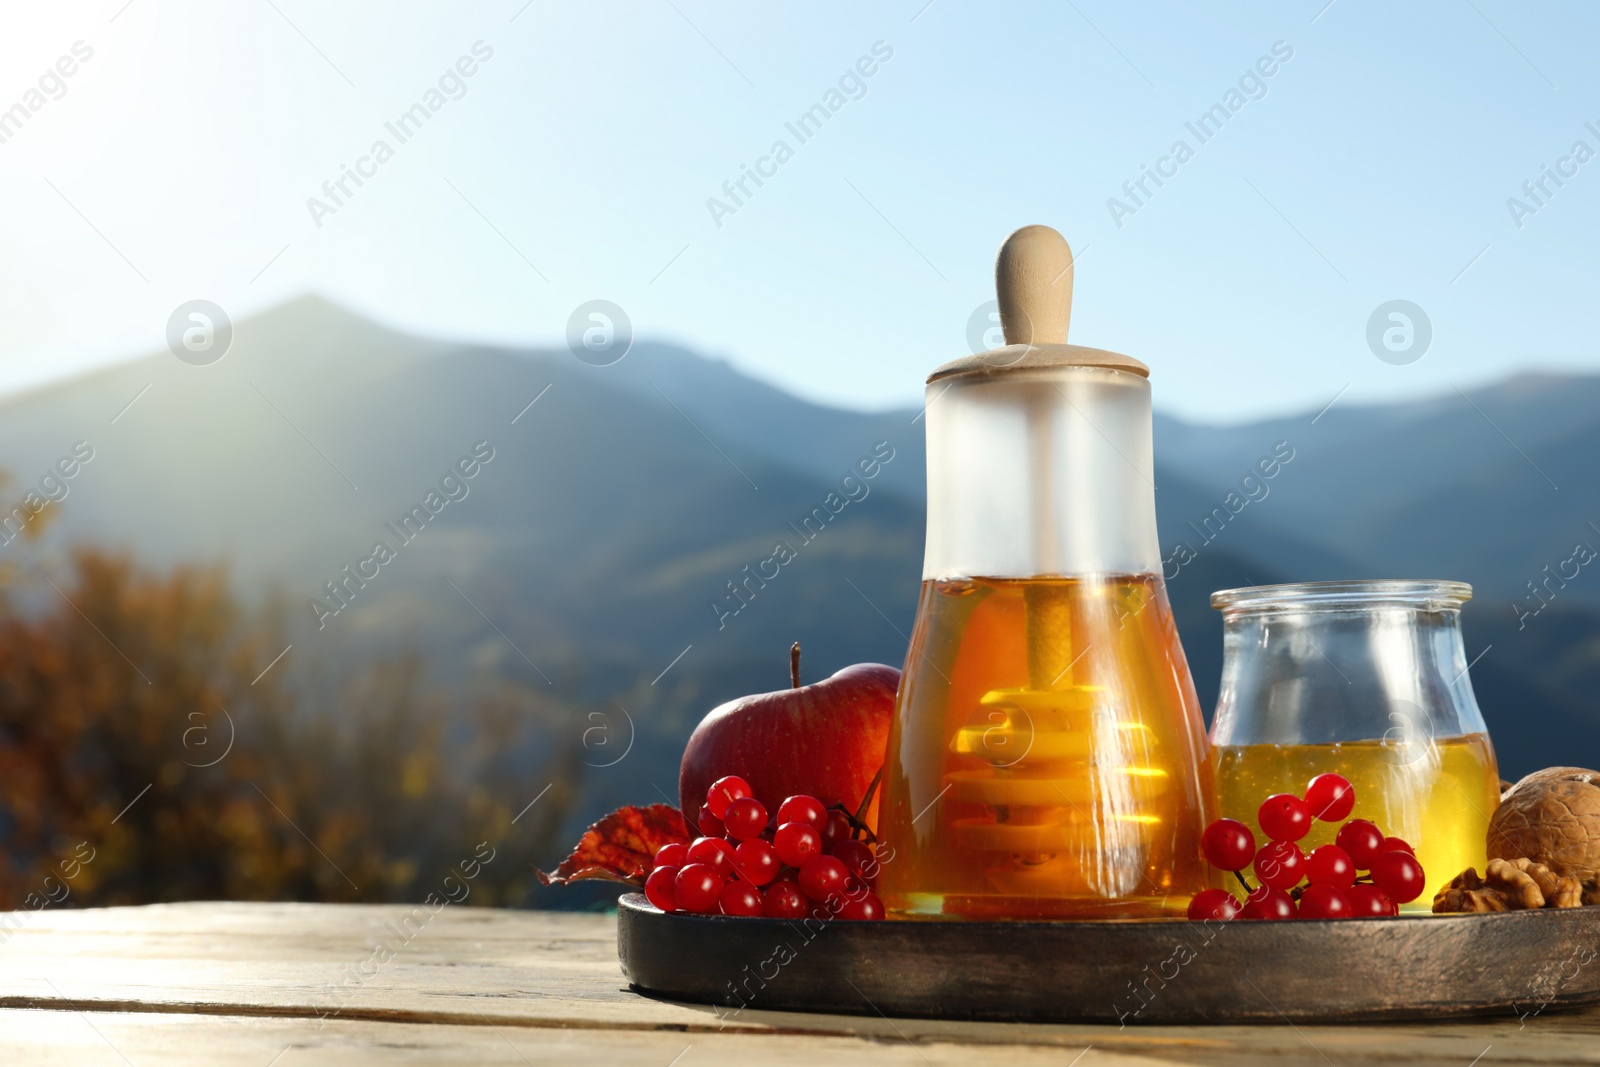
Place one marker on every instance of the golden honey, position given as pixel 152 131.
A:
pixel 1437 794
pixel 1047 757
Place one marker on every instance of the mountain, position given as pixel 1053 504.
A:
pixel 585 555
pixel 1488 486
pixel 611 541
pixel 1495 487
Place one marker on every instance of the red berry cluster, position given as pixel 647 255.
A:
pixel 1335 886
pixel 807 858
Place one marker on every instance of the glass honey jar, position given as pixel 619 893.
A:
pixel 1367 679
pixel 1047 757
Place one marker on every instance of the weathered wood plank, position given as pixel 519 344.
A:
pixel 537 973
pixel 118 1039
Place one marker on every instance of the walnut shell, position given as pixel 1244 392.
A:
pixel 1551 817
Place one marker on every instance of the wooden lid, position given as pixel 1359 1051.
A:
pixel 1033 286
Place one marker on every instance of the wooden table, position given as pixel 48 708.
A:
pixel 283 985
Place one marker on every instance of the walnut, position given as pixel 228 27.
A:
pixel 1466 893
pixel 1551 817
pixel 1451 901
pixel 1543 877
pixel 1519 887
pixel 1509 885
pixel 1569 894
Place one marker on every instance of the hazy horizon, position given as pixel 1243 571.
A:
pixel 1335 158
pixel 755 374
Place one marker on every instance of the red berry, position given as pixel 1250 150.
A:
pixel 672 854
pixel 1284 817
pixel 1326 902
pixel 1229 845
pixel 714 852
pixel 796 843
pixel 699 888
pixel 838 829
pixel 1330 865
pixel 1400 876
pixel 1268 903
pixel 740 898
pixel 756 861
pixel 1213 904
pixel 802 808
pixel 783 900
pixel 866 906
pixel 745 819
pixel 823 877
pixel 1395 844
pixel 1362 841
pixel 708 824
pixel 1368 901
pixel 859 857
pixel 725 791
pixel 1330 797
pixel 1280 864
pixel 659 888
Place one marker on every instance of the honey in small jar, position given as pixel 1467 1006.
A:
pixel 1047 758
pixel 1436 796
pixel 1368 679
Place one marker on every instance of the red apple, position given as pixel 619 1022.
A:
pixel 827 740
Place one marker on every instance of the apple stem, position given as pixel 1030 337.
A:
pixel 857 827
pixel 861 812
pixel 794 664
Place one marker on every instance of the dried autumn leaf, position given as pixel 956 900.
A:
pixel 621 846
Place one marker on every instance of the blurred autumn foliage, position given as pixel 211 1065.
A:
pixel 131 692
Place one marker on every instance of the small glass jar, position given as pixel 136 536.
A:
pixel 1367 679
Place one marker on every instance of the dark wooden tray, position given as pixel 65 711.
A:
pixel 1522 962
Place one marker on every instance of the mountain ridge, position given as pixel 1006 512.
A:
pixel 624 504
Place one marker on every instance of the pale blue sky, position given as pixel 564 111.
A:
pixel 178 162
